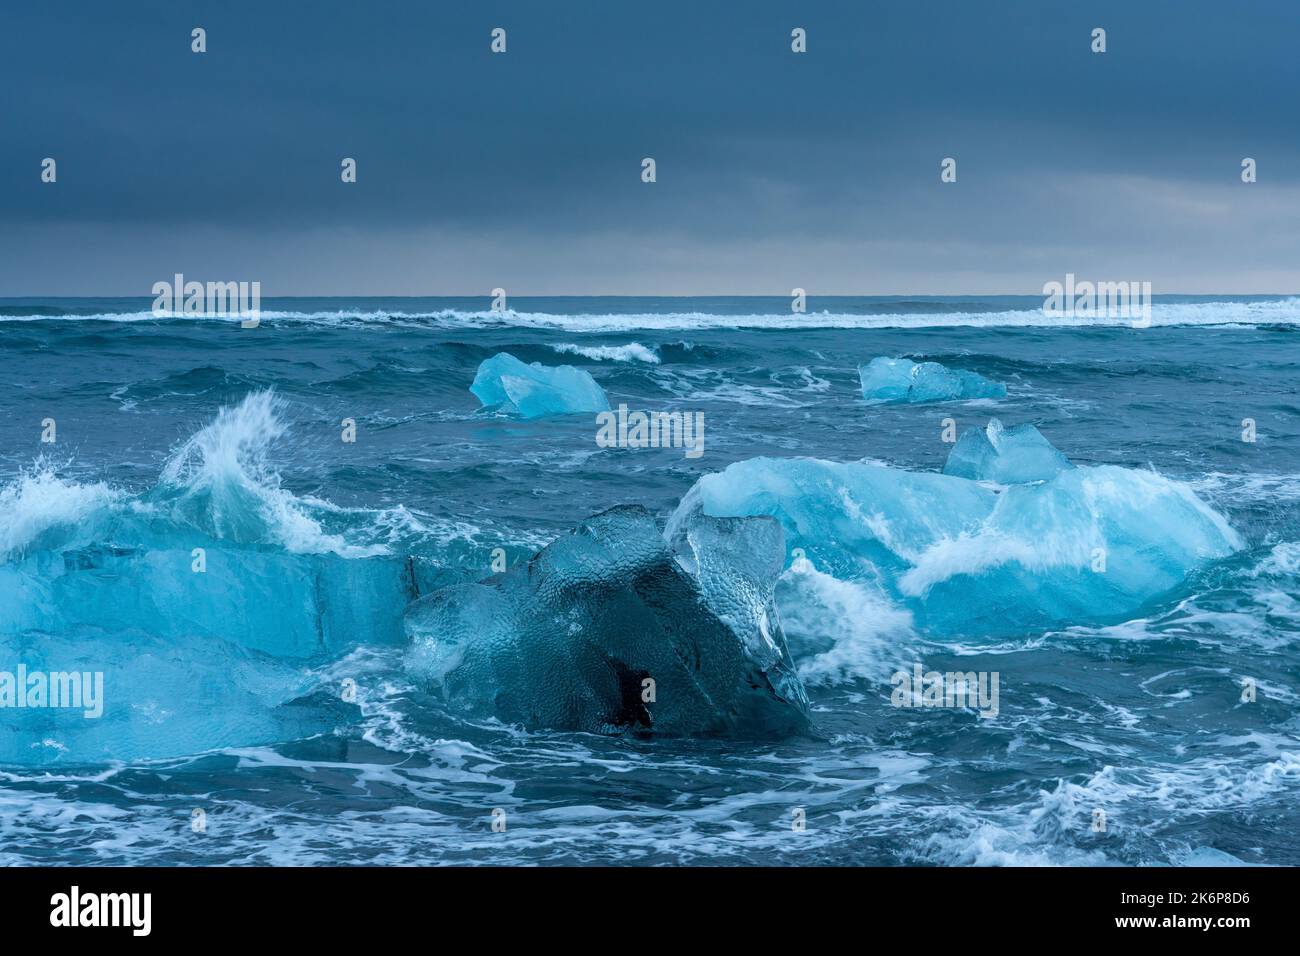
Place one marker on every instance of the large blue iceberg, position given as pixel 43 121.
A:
pixel 216 592
pixel 140 697
pixel 506 384
pixel 609 629
pixel 1091 544
pixel 217 550
pixel 888 381
pixel 1005 455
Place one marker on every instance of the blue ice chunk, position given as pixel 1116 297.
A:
pixel 887 381
pixel 533 390
pixel 284 605
pixel 1005 455
pixel 1089 545
pixel 607 630
pixel 112 695
pixel 217 592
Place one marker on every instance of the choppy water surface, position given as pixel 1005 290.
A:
pixel 222 689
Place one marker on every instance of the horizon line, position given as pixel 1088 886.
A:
pixel 654 295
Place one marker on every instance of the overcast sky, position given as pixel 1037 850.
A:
pixel 523 169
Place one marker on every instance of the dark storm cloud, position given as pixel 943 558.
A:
pixel 823 165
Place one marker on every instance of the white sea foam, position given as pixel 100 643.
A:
pixel 1262 312
pixel 868 633
pixel 632 352
pixel 223 467
pixel 1284 559
pixel 38 500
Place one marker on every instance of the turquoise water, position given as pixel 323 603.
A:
pixel 222 689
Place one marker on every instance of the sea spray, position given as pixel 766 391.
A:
pixel 968 559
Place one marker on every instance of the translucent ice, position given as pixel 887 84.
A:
pixel 1088 545
pixel 531 391
pixel 887 381
pixel 609 629
pixel 207 604
pixel 1005 455
pixel 155 697
pixel 217 549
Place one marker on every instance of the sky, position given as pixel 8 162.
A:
pixel 774 169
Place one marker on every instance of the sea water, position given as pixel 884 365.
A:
pixel 200 533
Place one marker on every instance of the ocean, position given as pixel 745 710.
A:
pixel 199 531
